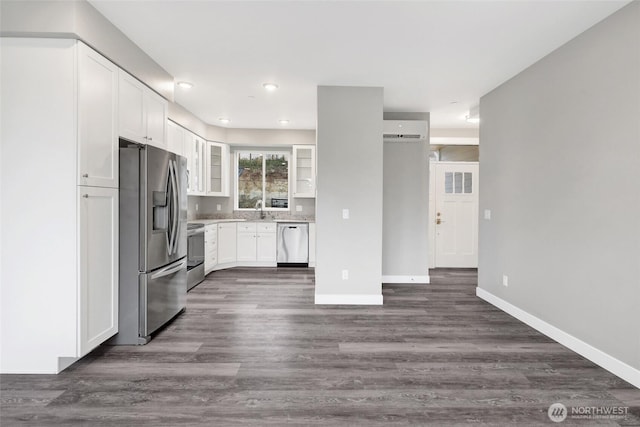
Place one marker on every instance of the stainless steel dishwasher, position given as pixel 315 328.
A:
pixel 293 244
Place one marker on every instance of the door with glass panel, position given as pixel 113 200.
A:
pixel 456 214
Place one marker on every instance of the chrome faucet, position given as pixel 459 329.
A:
pixel 259 206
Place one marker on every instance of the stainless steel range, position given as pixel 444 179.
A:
pixel 195 254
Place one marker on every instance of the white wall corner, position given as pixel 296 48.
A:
pixel 600 358
pixel 405 279
pixel 338 299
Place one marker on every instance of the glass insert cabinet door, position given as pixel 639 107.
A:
pixel 304 169
pixel 217 169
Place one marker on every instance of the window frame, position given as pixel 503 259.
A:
pixel 264 153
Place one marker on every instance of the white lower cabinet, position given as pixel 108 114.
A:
pixel 210 247
pixel 266 244
pixel 246 241
pixel 257 243
pixel 98 260
pixel 248 244
pixel 226 243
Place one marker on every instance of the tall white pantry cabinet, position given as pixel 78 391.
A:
pixel 59 234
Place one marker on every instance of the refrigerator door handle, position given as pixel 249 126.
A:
pixel 169 203
pixel 169 270
pixel 174 206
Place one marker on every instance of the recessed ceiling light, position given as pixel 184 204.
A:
pixel 185 85
pixel 270 86
pixel 283 122
pixel 224 120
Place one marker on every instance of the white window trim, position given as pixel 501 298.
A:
pixel 236 159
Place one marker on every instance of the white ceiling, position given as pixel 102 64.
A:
pixel 426 54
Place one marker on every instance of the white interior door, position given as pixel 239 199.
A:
pixel 456 214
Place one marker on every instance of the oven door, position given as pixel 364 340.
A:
pixel 195 248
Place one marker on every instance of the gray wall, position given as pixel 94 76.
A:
pixel 405 244
pixel 270 137
pixel 349 158
pixel 565 223
pixel 78 19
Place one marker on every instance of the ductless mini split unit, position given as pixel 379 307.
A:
pixel 404 131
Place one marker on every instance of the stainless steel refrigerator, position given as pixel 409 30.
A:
pixel 153 240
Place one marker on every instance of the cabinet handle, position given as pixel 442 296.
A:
pixel 85 175
pixel 144 137
pixel 86 196
pixel 150 139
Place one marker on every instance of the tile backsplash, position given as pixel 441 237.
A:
pixel 207 208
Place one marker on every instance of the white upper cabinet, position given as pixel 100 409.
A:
pixel 97 119
pixel 304 171
pixel 195 148
pixel 217 168
pixel 156 112
pixel 175 138
pixel 143 113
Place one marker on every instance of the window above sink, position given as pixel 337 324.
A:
pixel 262 180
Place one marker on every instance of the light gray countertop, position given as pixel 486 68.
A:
pixel 218 221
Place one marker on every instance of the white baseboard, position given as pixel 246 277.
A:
pixel 405 279
pixel 348 299
pixel 600 358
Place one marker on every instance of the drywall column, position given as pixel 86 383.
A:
pixel 405 244
pixel 560 150
pixel 349 178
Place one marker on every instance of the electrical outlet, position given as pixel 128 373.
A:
pixel 345 274
pixel 196 207
pixel 505 280
pixel 487 214
pixel 219 207
pixel 298 208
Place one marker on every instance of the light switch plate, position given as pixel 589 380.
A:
pixel 219 207
pixel 487 214
pixel 345 274
pixel 196 207
pixel 298 208
pixel 345 213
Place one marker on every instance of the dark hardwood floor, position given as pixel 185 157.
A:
pixel 253 349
